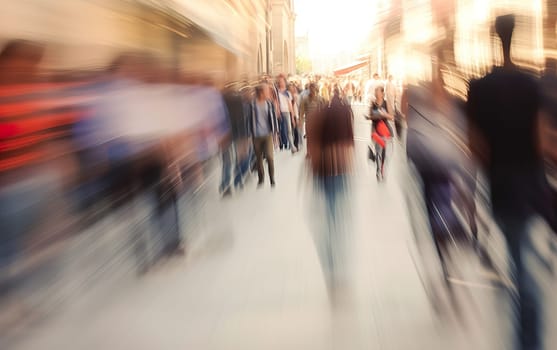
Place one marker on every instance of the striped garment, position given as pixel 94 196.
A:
pixel 33 115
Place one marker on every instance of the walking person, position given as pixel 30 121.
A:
pixel 296 130
pixel 349 91
pixel 503 106
pixel 227 147
pixel 381 131
pixel 286 115
pixel 235 155
pixel 263 126
pixel 324 91
pixel 310 105
pixel 332 146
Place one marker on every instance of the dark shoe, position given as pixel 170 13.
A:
pixel 227 193
pixel 273 183
pixel 260 184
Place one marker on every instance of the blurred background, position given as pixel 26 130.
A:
pixel 129 212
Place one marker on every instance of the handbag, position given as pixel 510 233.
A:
pixel 371 153
pixel 382 129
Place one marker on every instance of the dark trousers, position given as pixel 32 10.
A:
pixel 227 164
pixel 243 161
pixel 263 147
pixel 527 304
pixel 284 131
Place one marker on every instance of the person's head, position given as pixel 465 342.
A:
pixel 375 76
pixel 293 89
pixel 19 60
pixel 281 81
pixel 390 77
pixel 262 92
pixel 313 89
pixel 379 93
pixel 504 27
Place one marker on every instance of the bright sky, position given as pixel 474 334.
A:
pixel 334 26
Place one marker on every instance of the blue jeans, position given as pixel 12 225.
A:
pixel 243 166
pixel 527 305
pixel 227 161
pixel 285 131
pixel 330 246
pixel 21 204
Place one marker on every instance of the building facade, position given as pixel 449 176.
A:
pixel 226 39
pixel 283 39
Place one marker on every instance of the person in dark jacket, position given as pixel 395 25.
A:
pixel 503 106
pixel 263 127
pixel 237 151
pixel 331 148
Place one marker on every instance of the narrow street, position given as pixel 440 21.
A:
pixel 251 279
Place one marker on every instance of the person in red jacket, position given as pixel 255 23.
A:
pixel 381 131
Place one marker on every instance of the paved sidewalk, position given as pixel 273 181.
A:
pixel 252 280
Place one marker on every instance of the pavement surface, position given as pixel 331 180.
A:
pixel 251 278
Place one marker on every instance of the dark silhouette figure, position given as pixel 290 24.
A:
pixel 503 108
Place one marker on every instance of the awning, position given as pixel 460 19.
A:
pixel 350 68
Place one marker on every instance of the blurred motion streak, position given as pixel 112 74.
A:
pixel 116 117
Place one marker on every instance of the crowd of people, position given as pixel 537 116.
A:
pixel 505 129
pixel 76 147
pixel 101 140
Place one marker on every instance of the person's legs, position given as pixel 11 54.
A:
pixel 269 155
pixel 22 205
pixel 242 162
pixel 384 159
pixel 332 246
pixel 258 145
pixel 284 121
pixel 300 131
pixel 227 155
pixel 291 135
pixel 379 160
pixel 527 304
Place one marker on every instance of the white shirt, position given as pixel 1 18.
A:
pixel 284 101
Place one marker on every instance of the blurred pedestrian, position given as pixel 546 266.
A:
pixel 349 91
pixel 35 154
pixel 503 106
pixel 296 130
pixel 309 106
pixel 263 125
pixel 381 130
pixel 548 124
pixel 371 87
pixel 235 155
pixel 325 91
pixel 331 141
pixel 286 115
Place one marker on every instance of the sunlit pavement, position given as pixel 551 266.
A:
pixel 251 280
